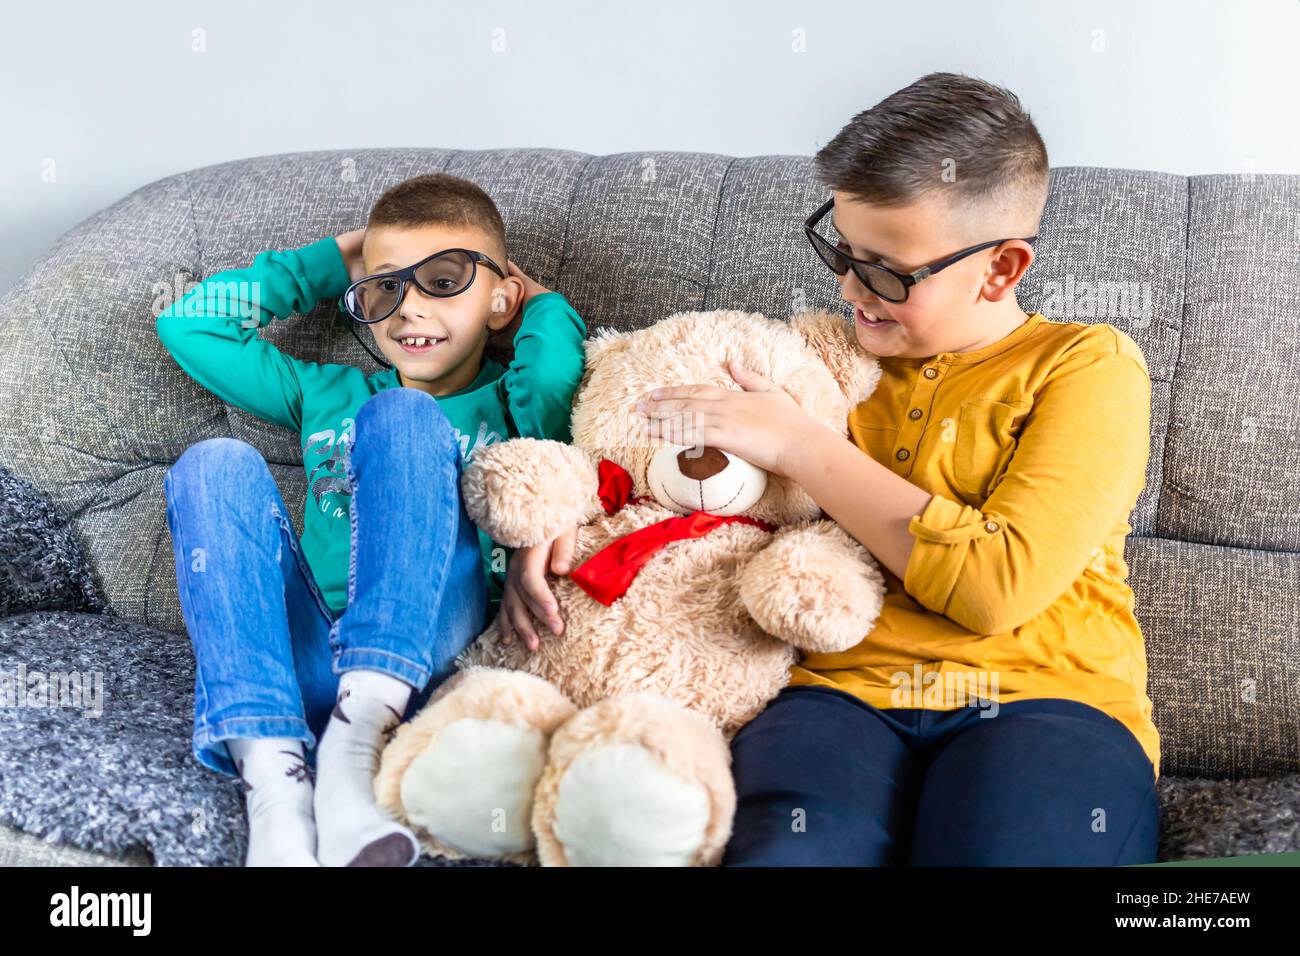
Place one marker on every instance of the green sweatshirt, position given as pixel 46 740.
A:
pixel 212 332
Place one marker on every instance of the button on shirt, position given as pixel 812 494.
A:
pixel 1035 450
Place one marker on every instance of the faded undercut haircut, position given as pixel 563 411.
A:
pixel 440 199
pixel 967 139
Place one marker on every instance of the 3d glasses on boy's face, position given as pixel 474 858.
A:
pixel 441 275
pixel 881 280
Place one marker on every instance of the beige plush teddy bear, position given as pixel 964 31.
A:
pixel 697 579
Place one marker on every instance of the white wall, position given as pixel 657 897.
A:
pixel 99 99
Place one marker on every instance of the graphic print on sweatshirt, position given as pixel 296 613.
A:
pixel 328 452
pixel 326 456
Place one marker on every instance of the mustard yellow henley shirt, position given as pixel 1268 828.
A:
pixel 1035 450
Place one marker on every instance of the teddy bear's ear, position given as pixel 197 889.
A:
pixel 604 340
pixel 832 339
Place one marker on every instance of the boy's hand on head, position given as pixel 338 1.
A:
pixel 505 336
pixel 350 247
pixel 531 288
pixel 526 597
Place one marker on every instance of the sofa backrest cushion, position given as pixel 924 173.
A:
pixel 1199 271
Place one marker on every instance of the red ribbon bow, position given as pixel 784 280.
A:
pixel 608 573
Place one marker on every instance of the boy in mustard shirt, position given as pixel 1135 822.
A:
pixel 997 712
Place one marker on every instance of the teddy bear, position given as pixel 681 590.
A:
pixel 697 580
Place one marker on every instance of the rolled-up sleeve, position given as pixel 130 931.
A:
pixel 1076 472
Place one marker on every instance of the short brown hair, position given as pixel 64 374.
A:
pixel 440 199
pixel 901 148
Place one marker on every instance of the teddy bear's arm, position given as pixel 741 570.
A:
pixel 525 491
pixel 813 586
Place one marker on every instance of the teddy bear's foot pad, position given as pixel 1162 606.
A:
pixel 472 789
pixel 616 805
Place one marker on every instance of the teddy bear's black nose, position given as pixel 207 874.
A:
pixel 701 463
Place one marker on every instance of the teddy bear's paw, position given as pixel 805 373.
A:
pixel 618 806
pixel 527 490
pixel 472 788
pixel 635 780
pixel 462 771
pixel 814 587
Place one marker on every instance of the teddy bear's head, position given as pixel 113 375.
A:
pixel 815 357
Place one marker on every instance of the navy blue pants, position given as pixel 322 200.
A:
pixel 825 779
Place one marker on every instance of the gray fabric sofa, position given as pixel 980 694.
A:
pixel 1199 270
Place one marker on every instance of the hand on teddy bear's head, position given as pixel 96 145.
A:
pixel 761 424
pixel 748 379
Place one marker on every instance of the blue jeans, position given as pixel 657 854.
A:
pixel 825 779
pixel 268 650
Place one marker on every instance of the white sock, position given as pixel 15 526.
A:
pixel 351 829
pixel 278 795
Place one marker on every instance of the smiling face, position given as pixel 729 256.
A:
pixel 455 328
pixel 965 306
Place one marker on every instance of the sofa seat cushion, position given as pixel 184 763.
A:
pixel 42 565
pixel 1203 818
pixel 108 765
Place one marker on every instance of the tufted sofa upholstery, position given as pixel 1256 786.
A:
pixel 1198 270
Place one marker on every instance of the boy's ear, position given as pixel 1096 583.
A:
pixel 1006 270
pixel 505 317
pixel 507 306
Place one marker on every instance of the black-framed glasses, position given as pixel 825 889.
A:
pixel 881 280
pixel 449 272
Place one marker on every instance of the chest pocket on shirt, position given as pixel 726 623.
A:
pixel 986 438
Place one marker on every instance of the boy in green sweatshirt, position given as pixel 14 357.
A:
pixel 331 634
